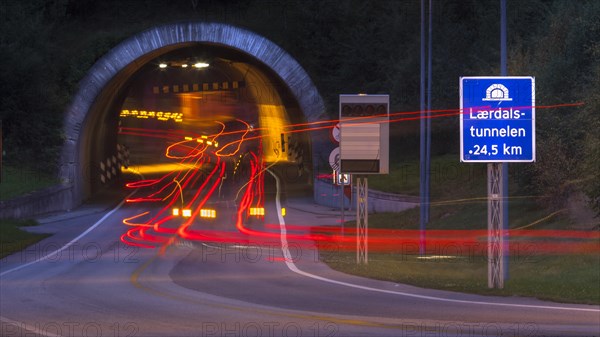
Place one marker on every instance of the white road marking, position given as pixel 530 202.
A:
pixel 45 257
pixel 230 246
pixel 36 330
pixel 290 264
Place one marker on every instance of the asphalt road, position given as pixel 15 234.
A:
pixel 95 285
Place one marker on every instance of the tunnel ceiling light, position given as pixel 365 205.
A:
pixel 162 65
pixel 201 65
pixel 184 65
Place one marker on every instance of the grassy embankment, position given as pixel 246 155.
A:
pixel 16 182
pixel 14 239
pixel 458 194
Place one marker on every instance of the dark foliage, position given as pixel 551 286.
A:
pixel 348 46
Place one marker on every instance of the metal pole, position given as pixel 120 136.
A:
pixel 1 151
pixel 362 220
pixel 498 194
pixel 495 237
pixel 428 126
pixel 339 174
pixel 422 166
pixel 504 72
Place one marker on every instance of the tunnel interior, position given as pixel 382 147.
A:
pixel 185 89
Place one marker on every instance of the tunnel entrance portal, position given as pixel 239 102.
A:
pixel 193 74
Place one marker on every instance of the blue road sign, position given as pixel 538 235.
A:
pixel 497 119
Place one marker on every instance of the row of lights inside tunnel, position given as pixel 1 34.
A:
pixel 198 65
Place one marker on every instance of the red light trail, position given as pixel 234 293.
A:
pixel 200 153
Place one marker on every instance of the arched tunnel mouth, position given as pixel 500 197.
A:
pixel 204 119
pixel 161 109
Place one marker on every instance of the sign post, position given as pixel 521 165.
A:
pixel 497 125
pixel 1 151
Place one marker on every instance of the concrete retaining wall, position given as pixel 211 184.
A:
pixel 52 199
pixel 327 194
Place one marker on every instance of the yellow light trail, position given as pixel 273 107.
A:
pixel 160 168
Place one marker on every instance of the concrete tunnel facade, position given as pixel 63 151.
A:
pixel 91 124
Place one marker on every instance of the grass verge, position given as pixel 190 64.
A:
pixel 459 202
pixel 18 181
pixel 571 279
pixel 14 239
